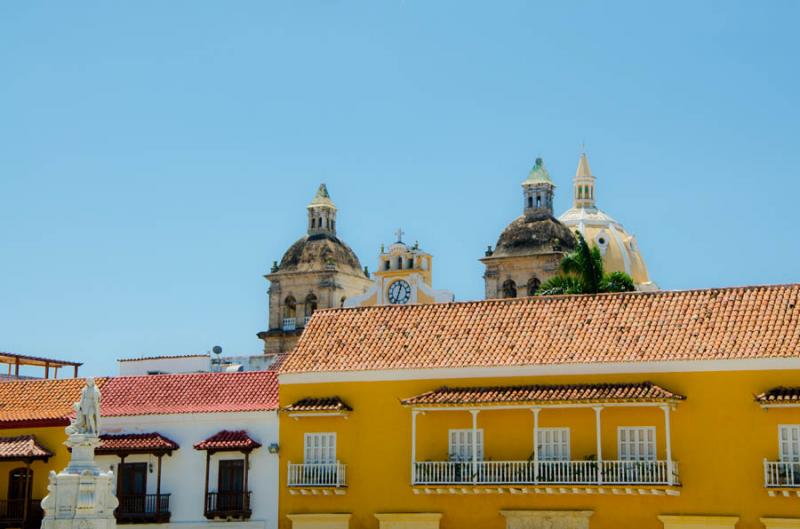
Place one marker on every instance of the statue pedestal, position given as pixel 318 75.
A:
pixel 81 496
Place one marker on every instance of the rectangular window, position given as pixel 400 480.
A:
pixel 460 446
pixel 553 444
pixel 320 448
pixel 132 479
pixel 789 439
pixel 231 475
pixel 637 443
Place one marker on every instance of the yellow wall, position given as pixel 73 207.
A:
pixel 51 438
pixel 719 437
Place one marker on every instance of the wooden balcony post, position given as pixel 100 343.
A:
pixel 414 414
pixel 205 496
pixel 474 445
pixel 670 478
pixel 158 486
pixel 27 498
pixel 598 435
pixel 246 499
pixel 536 444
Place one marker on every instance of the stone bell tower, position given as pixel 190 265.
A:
pixel 318 271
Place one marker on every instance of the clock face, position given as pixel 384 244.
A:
pixel 399 293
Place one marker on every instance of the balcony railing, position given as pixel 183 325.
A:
pixel 306 320
pixel 12 513
pixel 289 324
pixel 317 475
pixel 546 472
pixel 781 473
pixel 228 505
pixel 143 508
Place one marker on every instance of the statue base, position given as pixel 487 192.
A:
pixel 81 496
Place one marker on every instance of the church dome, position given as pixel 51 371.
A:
pixel 534 233
pixel 319 252
pixel 618 247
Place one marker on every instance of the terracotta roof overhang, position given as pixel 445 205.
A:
pixel 779 396
pixel 136 443
pixel 226 440
pixel 318 406
pixel 536 395
pixel 23 448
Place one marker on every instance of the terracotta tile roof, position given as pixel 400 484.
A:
pixel 779 395
pixel 729 323
pixel 22 447
pixel 30 403
pixel 190 393
pixel 135 442
pixel 542 394
pixel 325 404
pixel 228 440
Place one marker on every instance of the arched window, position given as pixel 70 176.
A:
pixel 386 264
pixel 533 286
pixel 333 224
pixel 341 301
pixel 399 263
pixel 289 307
pixel 311 305
pixel 18 487
pixel 538 201
pixel 509 289
pixel 530 202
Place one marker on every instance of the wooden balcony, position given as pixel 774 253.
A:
pixel 607 472
pixel 143 508
pixel 228 505
pixel 782 474
pixel 317 475
pixel 14 514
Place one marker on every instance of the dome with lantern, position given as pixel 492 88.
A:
pixel 618 247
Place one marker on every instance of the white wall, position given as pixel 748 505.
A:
pixel 182 364
pixel 183 473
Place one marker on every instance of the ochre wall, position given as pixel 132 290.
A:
pixel 720 438
pixel 51 438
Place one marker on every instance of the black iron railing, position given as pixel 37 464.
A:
pixel 228 505
pixel 13 514
pixel 143 508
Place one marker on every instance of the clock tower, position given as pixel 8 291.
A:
pixel 404 277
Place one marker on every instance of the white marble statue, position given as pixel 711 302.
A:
pixel 87 411
pixel 82 495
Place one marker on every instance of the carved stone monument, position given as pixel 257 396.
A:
pixel 81 496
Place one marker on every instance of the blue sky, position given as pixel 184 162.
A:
pixel 156 157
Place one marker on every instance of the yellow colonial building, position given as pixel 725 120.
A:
pixel 637 410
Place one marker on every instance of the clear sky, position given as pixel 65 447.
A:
pixel 156 157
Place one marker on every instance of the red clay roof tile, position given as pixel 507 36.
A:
pixel 332 404
pixel 138 442
pixel 779 395
pixel 228 440
pixel 22 447
pixel 29 403
pixel 711 324
pixel 560 393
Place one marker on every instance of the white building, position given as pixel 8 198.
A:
pixel 192 363
pixel 193 450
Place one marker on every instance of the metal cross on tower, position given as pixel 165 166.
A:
pixel 399 234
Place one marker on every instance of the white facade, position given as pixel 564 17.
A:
pixel 183 473
pixel 131 367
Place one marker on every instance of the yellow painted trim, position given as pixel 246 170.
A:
pixel 698 521
pixel 781 523
pixel 409 517
pixel 320 521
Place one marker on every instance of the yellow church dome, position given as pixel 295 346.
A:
pixel 618 247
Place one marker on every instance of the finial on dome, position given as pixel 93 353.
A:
pixel 583 166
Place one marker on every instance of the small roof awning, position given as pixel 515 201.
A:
pixel 545 394
pixel 23 448
pixel 318 406
pixel 136 443
pixel 779 396
pixel 227 440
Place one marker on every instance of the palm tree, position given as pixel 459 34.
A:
pixel 582 273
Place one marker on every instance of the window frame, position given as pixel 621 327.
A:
pixel 331 449
pixel 564 443
pixel 453 448
pixel 789 442
pixel 629 429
